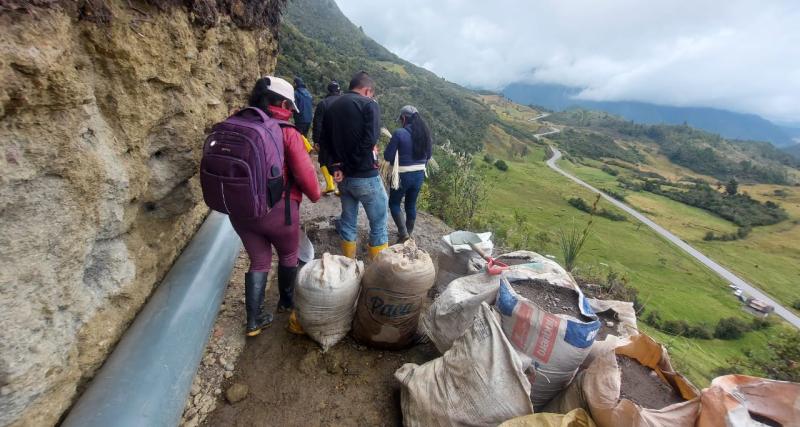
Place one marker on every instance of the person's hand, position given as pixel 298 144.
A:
pixel 338 176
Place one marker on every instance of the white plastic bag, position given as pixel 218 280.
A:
pixel 546 268
pixel 454 261
pixel 478 382
pixel 325 299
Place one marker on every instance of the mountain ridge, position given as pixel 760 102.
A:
pixel 726 123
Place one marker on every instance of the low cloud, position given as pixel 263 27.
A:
pixel 737 55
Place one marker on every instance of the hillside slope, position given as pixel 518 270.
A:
pixel 608 136
pixel 319 43
pixel 726 123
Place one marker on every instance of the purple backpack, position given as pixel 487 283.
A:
pixel 241 172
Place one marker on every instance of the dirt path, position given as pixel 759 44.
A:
pixel 292 383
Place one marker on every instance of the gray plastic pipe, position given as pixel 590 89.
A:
pixel 148 376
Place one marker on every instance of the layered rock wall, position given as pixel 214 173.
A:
pixel 103 109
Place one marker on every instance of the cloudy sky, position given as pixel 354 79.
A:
pixel 733 54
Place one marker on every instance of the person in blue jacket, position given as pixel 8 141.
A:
pixel 304 103
pixel 413 145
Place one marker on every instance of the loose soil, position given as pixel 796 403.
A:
pixel 292 383
pixel 644 387
pixel 509 261
pixel 552 298
pixel 606 330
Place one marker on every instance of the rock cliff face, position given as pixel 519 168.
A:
pixel 103 109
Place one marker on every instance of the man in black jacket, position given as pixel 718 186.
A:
pixel 334 92
pixel 350 129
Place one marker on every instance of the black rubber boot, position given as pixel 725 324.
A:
pixel 410 226
pixel 286 279
pixel 255 284
pixel 400 222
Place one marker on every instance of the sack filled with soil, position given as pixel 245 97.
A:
pixel 478 382
pixel 392 292
pixel 455 261
pixel 617 320
pixel 325 297
pixel 547 269
pixel 552 327
pixel 633 385
pixel 741 401
pixel 453 310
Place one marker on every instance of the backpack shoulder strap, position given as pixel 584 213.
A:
pixel 285 124
pixel 264 117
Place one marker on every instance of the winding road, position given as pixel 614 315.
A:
pixel 708 262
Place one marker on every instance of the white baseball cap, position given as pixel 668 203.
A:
pixel 282 88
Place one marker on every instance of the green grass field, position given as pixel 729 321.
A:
pixel 667 279
pixel 768 258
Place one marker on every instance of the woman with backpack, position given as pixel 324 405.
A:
pixel 275 97
pixel 409 151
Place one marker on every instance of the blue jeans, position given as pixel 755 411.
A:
pixel 370 193
pixel 410 186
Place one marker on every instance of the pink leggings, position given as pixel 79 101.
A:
pixel 260 234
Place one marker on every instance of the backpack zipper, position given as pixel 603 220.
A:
pixel 224 203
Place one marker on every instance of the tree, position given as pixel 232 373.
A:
pixel 781 364
pixel 732 187
pixel 502 165
pixel 730 328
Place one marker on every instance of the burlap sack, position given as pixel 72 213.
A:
pixel 597 389
pixel 392 292
pixel 625 325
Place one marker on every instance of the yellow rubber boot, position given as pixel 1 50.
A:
pixel 375 250
pixel 349 249
pixel 294 326
pixel 329 185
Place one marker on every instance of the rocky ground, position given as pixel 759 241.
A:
pixel 282 379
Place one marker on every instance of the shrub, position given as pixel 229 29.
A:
pixel 743 232
pixel 488 158
pixel 739 208
pixel 456 190
pixel 609 170
pixel 502 165
pixel 610 285
pixel 760 323
pixel 710 236
pixel 571 241
pixel 675 327
pixel 701 331
pixel 581 204
pixel 653 318
pixel 779 364
pixel 730 328
pixel 615 194
pixel 796 304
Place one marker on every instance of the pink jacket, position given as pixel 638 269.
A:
pixel 297 163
